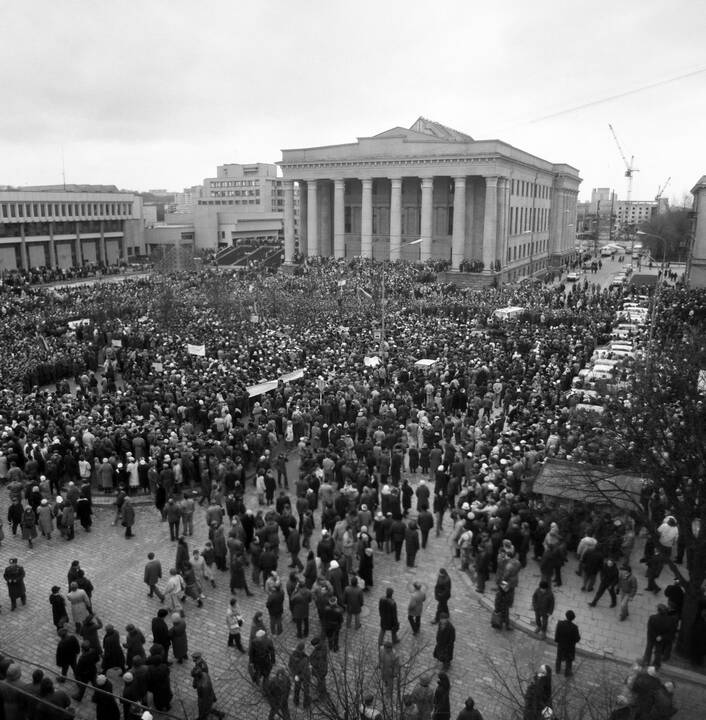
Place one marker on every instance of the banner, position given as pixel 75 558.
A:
pixel 117 343
pixel 199 350
pixel 267 385
pixel 373 361
pixel 157 366
pixel 73 324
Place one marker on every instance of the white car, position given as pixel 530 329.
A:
pixel 572 277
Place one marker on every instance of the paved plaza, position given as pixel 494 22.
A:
pixel 488 664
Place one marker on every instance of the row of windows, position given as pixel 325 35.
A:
pixel 525 219
pixel 234 183
pixel 524 188
pixel 229 202
pixel 236 193
pixel 61 227
pixel 41 209
pixel 526 249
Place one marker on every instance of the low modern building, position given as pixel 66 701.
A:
pixel 431 192
pixel 57 226
pixel 243 204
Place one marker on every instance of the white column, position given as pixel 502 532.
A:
pixel 425 230
pixel 458 237
pixel 366 219
pixel 502 221
pixel 339 237
pixel 312 218
pixel 490 222
pixel 288 221
pixel 395 218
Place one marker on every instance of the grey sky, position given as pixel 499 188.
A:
pixel 156 94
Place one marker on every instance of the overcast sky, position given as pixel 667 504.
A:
pixel 156 94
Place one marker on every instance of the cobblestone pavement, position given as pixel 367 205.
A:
pixel 487 663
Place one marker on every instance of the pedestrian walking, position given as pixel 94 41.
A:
pixel 389 622
pixel 661 631
pixel 300 671
pixel 442 701
pixel 445 641
pixel 353 600
pixel 67 652
pixel 15 579
pixel 543 606
pixel 174 591
pixel 178 638
pixel 152 575
pixel 442 594
pixel 205 695
pixel 416 607
pixel 234 623
pixel 80 604
pixel 566 636
pixel 128 516
pixel 609 579
pixel 58 607
pixel 299 606
pixel 134 644
pixel 29 525
pixel 627 588
pixel 277 689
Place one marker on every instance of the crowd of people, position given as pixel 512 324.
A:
pixel 136 411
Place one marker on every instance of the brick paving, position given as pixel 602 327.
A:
pixel 488 664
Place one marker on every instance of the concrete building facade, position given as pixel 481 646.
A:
pixel 50 227
pixel 462 199
pixel 696 261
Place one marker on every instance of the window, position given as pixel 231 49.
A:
pixel 347 219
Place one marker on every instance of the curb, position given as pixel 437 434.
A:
pixel 668 671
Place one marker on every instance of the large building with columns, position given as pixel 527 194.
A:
pixel 431 192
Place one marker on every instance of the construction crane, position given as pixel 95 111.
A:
pixel 629 166
pixel 661 190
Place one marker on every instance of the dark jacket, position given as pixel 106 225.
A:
pixel 388 614
pixel 567 636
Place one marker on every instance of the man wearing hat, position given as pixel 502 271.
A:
pixel 15 578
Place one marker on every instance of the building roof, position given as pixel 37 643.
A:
pixel 427 130
pixel 701 183
pixel 70 188
pixel 590 484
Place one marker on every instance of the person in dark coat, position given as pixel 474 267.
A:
pixel 58 607
pixel 543 606
pixel 411 542
pixel 469 712
pixel 331 622
pixel 84 512
pixel 609 577
pixel 275 607
pixel 160 631
pixel 661 631
pixel 397 536
pixel 538 695
pixel 365 568
pixel 29 525
pixel 238 581
pixel 158 679
pixel 425 521
pixel 106 705
pixel 442 593
pixel 261 656
pixel 445 640
pixel 113 655
pixel 15 578
pixel 387 608
pixel 566 636
pixel 318 659
pixel 178 637
pixel 67 651
pixel 183 557
pixel 299 605
pixel 277 689
pixel 353 602
pixel 134 644
pixel 86 671
pixel 128 517
pixel 442 703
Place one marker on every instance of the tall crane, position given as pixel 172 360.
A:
pixel 629 166
pixel 661 190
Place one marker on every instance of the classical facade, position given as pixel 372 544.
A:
pixel 431 192
pixel 696 262
pixel 69 226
